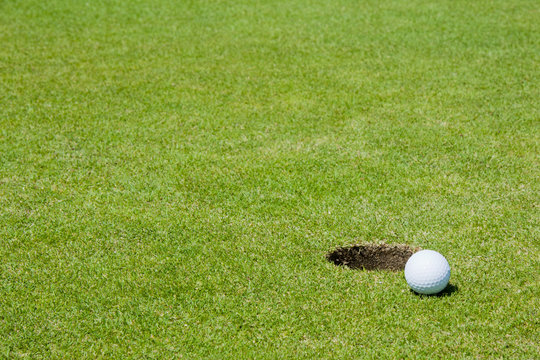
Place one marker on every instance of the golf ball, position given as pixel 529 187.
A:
pixel 427 272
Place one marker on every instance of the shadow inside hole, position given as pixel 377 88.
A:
pixel 372 256
pixel 449 290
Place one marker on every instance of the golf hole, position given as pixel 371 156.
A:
pixel 372 256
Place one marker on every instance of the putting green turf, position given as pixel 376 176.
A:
pixel 172 174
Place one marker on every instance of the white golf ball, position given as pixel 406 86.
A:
pixel 427 272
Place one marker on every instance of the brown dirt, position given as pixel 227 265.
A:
pixel 372 256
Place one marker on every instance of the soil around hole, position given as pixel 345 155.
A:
pixel 372 256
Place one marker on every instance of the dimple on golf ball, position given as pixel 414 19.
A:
pixel 427 272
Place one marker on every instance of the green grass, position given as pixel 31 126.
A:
pixel 172 174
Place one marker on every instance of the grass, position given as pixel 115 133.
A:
pixel 173 173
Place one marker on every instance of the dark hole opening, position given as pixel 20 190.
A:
pixel 372 256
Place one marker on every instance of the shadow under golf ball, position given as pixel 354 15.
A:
pixel 449 290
